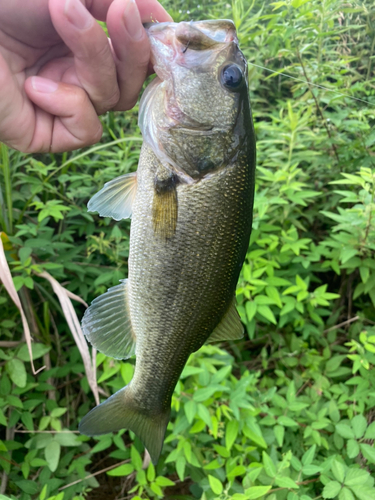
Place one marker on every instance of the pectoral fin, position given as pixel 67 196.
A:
pixel 106 323
pixel 229 328
pixel 116 198
pixel 164 206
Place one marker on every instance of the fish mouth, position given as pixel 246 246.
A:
pixel 197 35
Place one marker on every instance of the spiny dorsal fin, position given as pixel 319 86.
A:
pixel 116 198
pixel 229 328
pixel 164 206
pixel 107 326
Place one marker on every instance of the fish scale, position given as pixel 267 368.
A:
pixel 191 203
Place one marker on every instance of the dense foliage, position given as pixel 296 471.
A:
pixel 287 413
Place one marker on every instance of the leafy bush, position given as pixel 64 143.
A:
pixel 285 414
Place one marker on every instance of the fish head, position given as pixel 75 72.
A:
pixel 193 114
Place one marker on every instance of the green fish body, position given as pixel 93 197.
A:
pixel 191 207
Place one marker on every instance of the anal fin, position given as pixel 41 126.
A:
pixel 106 323
pixel 229 328
pixel 116 198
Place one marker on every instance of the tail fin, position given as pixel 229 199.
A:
pixel 121 411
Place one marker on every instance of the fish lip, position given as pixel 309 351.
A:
pixel 219 30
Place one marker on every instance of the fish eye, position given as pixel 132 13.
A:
pixel 232 77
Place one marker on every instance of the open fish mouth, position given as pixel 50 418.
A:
pixel 199 34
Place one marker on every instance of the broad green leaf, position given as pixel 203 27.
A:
pixel 368 452
pixel 331 489
pixel 180 467
pixel 37 349
pixel 121 470
pixel 370 432
pixel 364 492
pixel 338 470
pixel 17 371
pixel 352 447
pixel 358 424
pixel 190 409
pixel 355 477
pixel 256 492
pixel 279 431
pixel 346 494
pixel 308 456
pixel 269 466
pixel 345 431
pixel 164 481
pixel 286 482
pixel 52 455
pixel 231 433
pixel 136 459
pixel 215 485
pixel 267 313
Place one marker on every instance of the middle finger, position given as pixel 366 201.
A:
pixel 93 60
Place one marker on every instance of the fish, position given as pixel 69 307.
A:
pixel 190 204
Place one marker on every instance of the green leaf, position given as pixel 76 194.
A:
pixel 215 485
pixel 17 372
pixel 223 452
pixel 52 455
pixel 180 467
pixel 190 409
pixel 37 349
pixel 346 494
pixel 352 448
pixel 345 431
pixel 204 414
pixel 286 482
pixel 136 458
pixel 266 312
pixel 29 487
pixel 256 492
pixel 355 477
pixel 338 470
pixel 121 470
pixel 251 309
pixel 358 424
pixel 368 452
pixel 231 433
pixel 279 431
pixel 3 420
pixel 308 456
pixel 164 481
pixel 370 432
pixel 287 421
pixel 364 492
pixel 58 412
pixel 269 466
pixel 331 489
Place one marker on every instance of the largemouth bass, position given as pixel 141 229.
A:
pixel 191 205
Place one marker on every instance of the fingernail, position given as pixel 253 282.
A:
pixel 77 14
pixel 132 20
pixel 43 85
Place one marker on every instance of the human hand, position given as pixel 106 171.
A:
pixel 58 69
